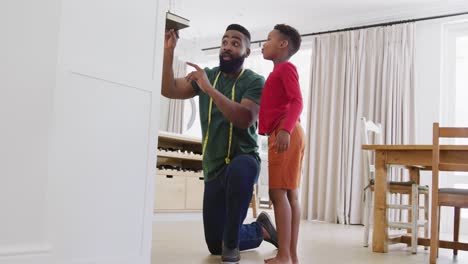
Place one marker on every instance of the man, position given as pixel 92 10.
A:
pixel 229 98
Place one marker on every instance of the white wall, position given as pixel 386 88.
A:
pixel 28 55
pixel 79 112
pixel 105 123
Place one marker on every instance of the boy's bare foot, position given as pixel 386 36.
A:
pixel 295 260
pixel 277 260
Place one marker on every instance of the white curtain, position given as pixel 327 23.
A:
pixel 175 120
pixel 370 73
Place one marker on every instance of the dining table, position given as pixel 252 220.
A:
pixel 412 156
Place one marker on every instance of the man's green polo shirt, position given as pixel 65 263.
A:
pixel 244 141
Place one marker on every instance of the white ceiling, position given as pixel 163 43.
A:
pixel 209 18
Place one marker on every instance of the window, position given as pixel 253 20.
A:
pixel 461 96
pixel 454 93
pixel 461 82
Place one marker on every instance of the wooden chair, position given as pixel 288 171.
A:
pixel 410 188
pixel 254 203
pixel 457 198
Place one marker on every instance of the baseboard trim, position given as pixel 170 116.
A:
pixel 26 250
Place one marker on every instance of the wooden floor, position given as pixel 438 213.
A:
pixel 178 239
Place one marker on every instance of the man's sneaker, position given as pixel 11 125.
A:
pixel 264 220
pixel 230 256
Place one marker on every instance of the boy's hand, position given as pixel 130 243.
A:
pixel 282 141
pixel 199 76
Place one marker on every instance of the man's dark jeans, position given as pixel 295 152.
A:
pixel 226 201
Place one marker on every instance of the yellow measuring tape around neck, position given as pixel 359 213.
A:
pixel 233 93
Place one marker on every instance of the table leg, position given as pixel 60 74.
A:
pixel 380 234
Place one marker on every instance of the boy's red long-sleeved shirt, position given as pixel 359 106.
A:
pixel 281 99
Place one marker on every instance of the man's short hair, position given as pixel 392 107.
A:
pixel 293 36
pixel 242 30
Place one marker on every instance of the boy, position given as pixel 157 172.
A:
pixel 280 108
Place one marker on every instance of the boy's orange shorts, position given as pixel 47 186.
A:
pixel 285 168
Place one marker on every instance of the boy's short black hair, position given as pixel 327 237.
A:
pixel 293 36
pixel 242 30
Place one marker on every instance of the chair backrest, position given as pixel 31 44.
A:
pixel 371 127
pixel 445 132
pixel 367 128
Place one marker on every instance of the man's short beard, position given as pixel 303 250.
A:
pixel 231 66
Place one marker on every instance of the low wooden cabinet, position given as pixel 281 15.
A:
pixel 179 179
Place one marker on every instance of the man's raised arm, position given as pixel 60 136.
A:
pixel 173 88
